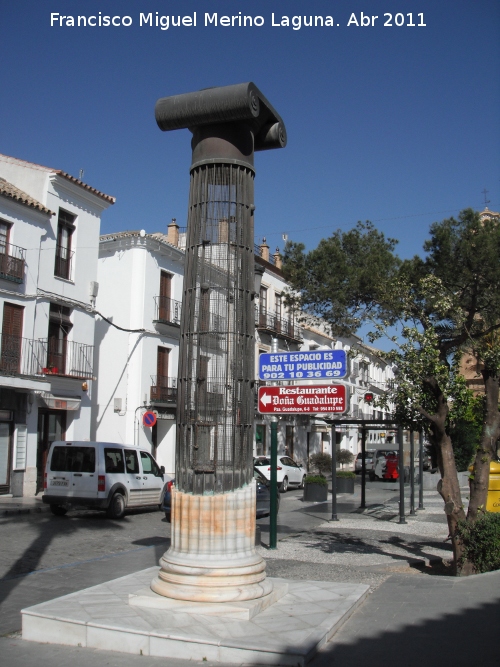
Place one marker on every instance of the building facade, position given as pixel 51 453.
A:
pixel 140 291
pixel 49 234
pixel 137 344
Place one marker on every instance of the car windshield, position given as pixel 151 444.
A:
pixel 262 462
pixel 259 477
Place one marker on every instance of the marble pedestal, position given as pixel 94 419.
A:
pixel 289 632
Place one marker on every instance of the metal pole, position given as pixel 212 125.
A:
pixel 412 473
pixel 401 477
pixel 273 519
pixel 363 466
pixel 334 474
pixel 421 470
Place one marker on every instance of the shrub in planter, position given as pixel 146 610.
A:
pixel 321 462
pixel 345 457
pixel 345 481
pixel 315 488
pixel 345 474
pixel 481 541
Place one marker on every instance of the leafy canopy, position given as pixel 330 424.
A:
pixel 343 278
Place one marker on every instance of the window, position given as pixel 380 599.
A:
pixel 12 329
pixel 73 459
pixel 204 316
pixel 263 307
pixel 149 466
pixel 4 237
pixel 164 309
pixel 59 328
pixel 277 311
pixel 114 460
pixel 65 229
pixel 131 462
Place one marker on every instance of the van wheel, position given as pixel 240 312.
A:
pixel 58 510
pixel 116 509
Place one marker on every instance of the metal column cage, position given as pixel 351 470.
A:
pixel 216 366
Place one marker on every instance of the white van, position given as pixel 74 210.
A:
pixel 101 475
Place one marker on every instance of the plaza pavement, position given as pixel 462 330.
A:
pixel 415 616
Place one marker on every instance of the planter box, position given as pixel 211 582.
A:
pixel 345 485
pixel 315 493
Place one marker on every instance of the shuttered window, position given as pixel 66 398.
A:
pixel 12 331
pixel 165 292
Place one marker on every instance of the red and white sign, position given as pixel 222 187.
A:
pixel 303 399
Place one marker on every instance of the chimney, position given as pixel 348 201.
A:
pixel 277 259
pixel 264 250
pixel 173 233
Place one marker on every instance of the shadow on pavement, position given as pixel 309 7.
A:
pixel 29 560
pixel 467 638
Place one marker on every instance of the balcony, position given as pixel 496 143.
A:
pixel 67 358
pixel 12 260
pixel 62 267
pixel 167 310
pixel 163 389
pixel 21 356
pixel 279 326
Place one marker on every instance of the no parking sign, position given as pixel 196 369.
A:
pixel 149 419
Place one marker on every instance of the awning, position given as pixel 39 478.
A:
pixel 319 426
pixel 60 402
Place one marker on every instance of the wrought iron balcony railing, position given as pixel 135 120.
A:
pixel 167 310
pixel 21 356
pixel 163 389
pixel 271 322
pixel 12 260
pixel 67 358
pixel 62 267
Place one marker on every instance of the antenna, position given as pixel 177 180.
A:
pixel 486 200
pixel 80 175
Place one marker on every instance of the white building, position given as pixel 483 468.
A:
pixel 137 350
pixel 300 436
pixel 49 233
pixel 140 291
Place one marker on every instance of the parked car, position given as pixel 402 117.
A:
pixel 101 475
pixel 368 460
pixel 263 496
pixel 289 473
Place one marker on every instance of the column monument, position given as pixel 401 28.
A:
pixel 212 557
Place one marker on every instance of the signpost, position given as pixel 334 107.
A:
pixel 149 419
pixel 303 399
pixel 308 365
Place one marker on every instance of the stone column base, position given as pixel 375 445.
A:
pixel 213 557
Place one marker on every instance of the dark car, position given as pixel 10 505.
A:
pixel 263 496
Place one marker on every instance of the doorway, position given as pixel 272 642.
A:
pixel 51 427
pixel 6 430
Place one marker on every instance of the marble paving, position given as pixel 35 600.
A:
pixel 287 633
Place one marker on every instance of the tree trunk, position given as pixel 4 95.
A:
pixel 487 450
pixel 448 486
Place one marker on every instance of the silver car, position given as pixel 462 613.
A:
pixel 288 472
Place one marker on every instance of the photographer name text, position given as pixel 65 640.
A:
pixel 239 20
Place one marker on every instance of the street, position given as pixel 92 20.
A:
pixel 44 557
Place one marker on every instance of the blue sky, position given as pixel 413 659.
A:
pixel 398 125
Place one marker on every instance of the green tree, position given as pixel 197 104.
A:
pixel 446 302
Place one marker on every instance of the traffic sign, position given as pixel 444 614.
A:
pixel 300 399
pixel 307 365
pixel 149 418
